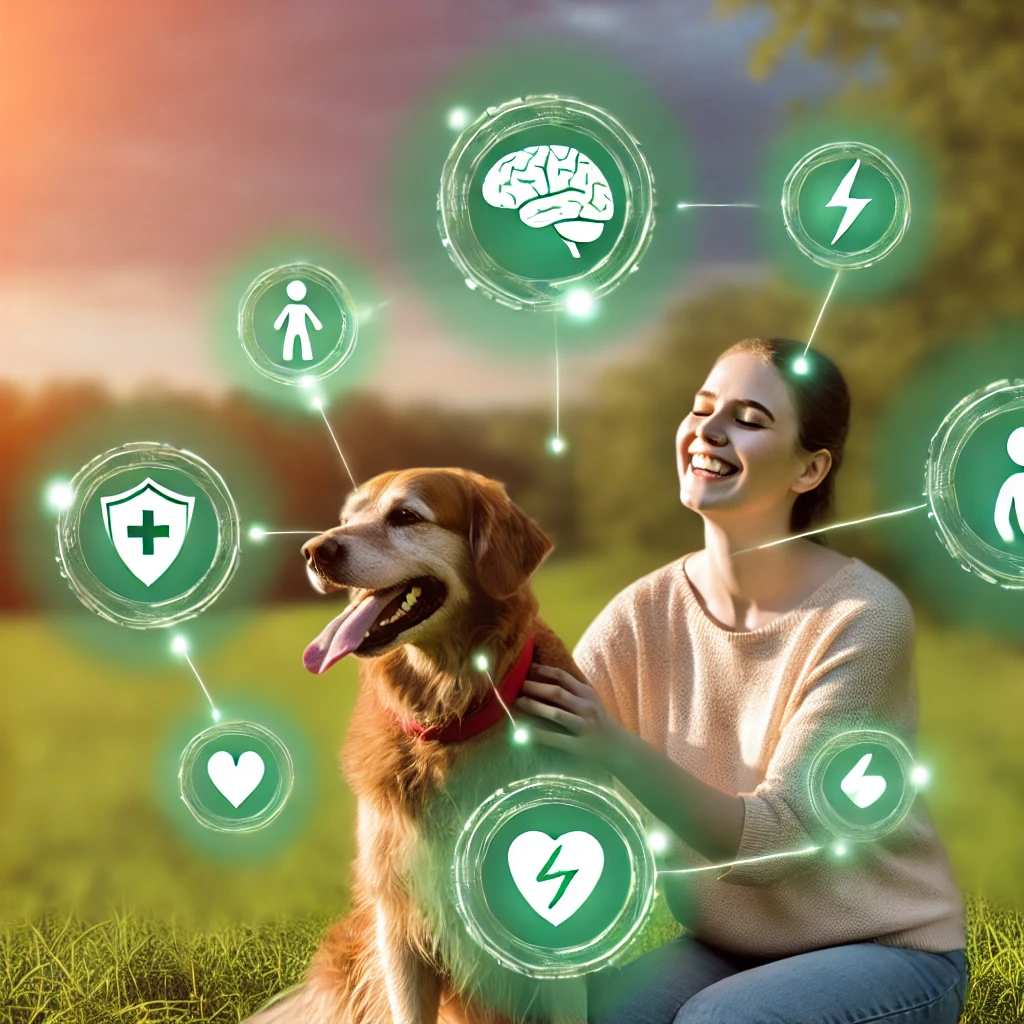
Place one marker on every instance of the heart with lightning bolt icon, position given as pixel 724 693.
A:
pixel 555 876
pixel 841 197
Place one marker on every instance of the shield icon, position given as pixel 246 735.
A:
pixel 147 526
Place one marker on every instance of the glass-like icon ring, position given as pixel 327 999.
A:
pixel 336 350
pixel 477 146
pixel 1004 568
pixel 828 256
pixel 92 591
pixel 195 772
pixel 512 950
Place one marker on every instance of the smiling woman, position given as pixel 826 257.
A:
pixel 817 408
pixel 709 688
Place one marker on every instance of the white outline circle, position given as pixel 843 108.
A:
pixel 1004 568
pixel 221 822
pixel 326 365
pixel 88 587
pixel 809 246
pixel 479 269
pixel 483 926
pixel 828 815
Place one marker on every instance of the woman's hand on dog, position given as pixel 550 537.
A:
pixel 557 696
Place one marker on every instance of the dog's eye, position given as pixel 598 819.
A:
pixel 403 516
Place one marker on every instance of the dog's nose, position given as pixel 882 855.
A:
pixel 322 549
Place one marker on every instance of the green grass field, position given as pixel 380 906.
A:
pixel 171 925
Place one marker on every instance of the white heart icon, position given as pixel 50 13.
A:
pixel 235 781
pixel 555 876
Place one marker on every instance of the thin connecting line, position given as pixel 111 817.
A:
pixel 213 707
pixel 832 288
pixel 338 446
pixel 557 390
pixel 369 311
pixel 834 526
pixel 736 863
pixel 281 533
pixel 498 695
pixel 687 206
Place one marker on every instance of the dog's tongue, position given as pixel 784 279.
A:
pixel 345 633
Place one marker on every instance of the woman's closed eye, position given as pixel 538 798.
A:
pixel 739 419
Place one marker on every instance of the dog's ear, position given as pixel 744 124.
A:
pixel 507 545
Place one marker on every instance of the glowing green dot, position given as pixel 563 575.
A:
pixel 579 303
pixel 520 735
pixel 59 495
pixel 800 365
pixel 458 118
pixel 556 444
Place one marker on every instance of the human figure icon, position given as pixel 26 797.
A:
pixel 296 312
pixel 1011 494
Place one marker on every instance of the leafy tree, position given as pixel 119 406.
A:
pixel 950 73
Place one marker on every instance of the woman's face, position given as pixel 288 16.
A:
pixel 739 446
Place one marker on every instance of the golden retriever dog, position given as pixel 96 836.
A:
pixel 437 563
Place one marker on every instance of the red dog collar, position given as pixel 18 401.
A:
pixel 487 714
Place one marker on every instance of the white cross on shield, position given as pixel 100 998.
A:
pixel 147 526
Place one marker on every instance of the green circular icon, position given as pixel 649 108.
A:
pixel 974 482
pixel 553 876
pixel 846 205
pixel 543 197
pixel 235 776
pixel 151 536
pixel 860 784
pixel 297 322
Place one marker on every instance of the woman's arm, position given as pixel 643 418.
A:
pixel 860 677
pixel 703 817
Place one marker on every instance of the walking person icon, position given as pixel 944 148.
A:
pixel 296 312
pixel 1011 494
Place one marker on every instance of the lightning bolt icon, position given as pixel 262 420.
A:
pixel 546 875
pixel 841 197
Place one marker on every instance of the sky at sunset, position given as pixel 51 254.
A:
pixel 145 144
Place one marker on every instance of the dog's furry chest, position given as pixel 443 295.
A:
pixel 416 797
pixel 477 773
pixel 414 802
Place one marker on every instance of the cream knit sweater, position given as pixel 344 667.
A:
pixel 746 712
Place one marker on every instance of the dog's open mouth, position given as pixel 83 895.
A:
pixel 375 620
pixel 415 602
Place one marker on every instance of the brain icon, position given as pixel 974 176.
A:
pixel 552 186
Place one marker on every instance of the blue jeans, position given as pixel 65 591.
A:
pixel 687 981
